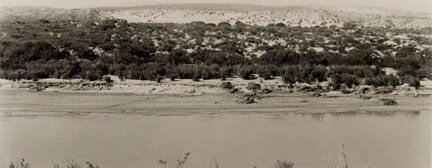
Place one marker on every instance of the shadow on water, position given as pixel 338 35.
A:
pixel 275 115
pixel 376 113
pixel 354 113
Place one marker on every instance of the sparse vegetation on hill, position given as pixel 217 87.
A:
pixel 349 56
pixel 305 16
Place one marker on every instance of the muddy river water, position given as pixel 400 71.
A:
pixel 231 140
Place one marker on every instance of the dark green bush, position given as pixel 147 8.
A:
pixel 227 85
pixel 197 75
pixel 412 81
pixel 348 79
pixel 108 79
pixel 159 78
pixel 289 74
pixel 266 72
pixel 319 74
pixel 226 72
pixel 253 86
pixel 245 72
pixel 383 80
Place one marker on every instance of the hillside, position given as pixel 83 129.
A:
pixel 350 55
pixel 47 13
pixel 305 16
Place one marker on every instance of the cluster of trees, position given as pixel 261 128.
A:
pixel 148 52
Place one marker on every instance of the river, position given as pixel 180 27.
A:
pixel 400 140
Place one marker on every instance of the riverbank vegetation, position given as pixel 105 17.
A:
pixel 181 163
pixel 350 55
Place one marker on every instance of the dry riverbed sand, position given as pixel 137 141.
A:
pixel 187 97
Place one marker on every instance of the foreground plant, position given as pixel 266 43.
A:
pixel 19 164
pixel 73 164
pixel 284 164
pixel 181 163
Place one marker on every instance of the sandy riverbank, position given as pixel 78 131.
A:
pixel 187 87
pixel 16 102
pixel 183 97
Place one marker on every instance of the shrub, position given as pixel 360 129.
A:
pixel 288 75
pixel 149 75
pixel 92 76
pixel 319 74
pixel 350 80
pixel 253 86
pixel 425 73
pixel 108 80
pixel 196 76
pixel 19 164
pixel 391 80
pixel 159 78
pixel 226 72
pixel 234 90
pixel 171 72
pixel 246 98
pixel 186 71
pixel 284 164
pixel 347 79
pixel 383 80
pixel 408 70
pixel 412 81
pixel 266 72
pixel 246 72
pixel 299 73
pixel 226 85
pixel 172 75
pixel 15 75
pixel 207 72
pixel 205 75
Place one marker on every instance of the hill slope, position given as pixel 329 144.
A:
pixel 32 13
pixel 305 16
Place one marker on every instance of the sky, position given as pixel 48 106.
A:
pixel 411 5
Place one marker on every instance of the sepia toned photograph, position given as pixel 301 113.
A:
pixel 215 84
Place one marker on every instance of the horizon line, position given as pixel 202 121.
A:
pixel 215 3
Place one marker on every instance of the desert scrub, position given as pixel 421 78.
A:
pixel 253 86
pixel 227 85
pixel 412 81
pixel 245 72
pixel 108 80
pixel 383 80
pixel 247 98
pixel 267 72
pixel 33 53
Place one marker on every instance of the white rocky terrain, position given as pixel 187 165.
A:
pixel 48 13
pixel 260 15
pixel 249 14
